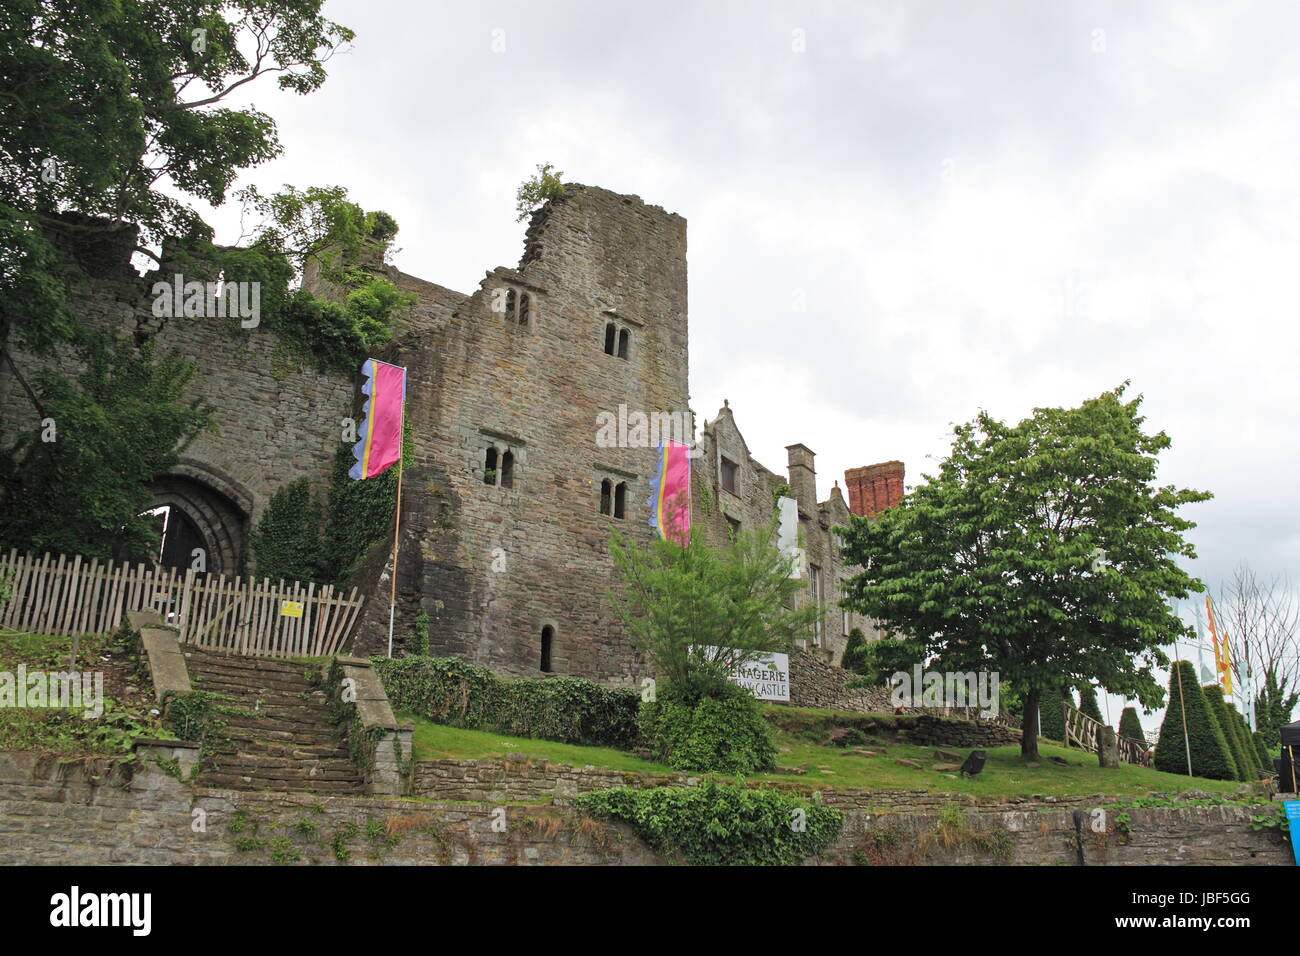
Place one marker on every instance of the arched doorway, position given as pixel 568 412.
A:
pixel 205 520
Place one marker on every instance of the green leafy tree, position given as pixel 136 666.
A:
pixel 102 105
pixel 856 652
pixel 112 123
pixel 537 189
pixel 84 491
pixel 698 612
pixel 1209 748
pixel 1130 725
pixel 1273 708
pixel 1042 550
pixel 1219 707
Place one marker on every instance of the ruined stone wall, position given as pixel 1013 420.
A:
pixel 273 422
pixel 493 565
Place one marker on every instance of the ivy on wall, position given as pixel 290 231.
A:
pixel 290 542
pixel 720 824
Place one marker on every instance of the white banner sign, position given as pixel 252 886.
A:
pixel 767 677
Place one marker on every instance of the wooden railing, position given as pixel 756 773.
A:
pixel 1082 730
pixel 70 596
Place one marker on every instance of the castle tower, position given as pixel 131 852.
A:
pixel 505 537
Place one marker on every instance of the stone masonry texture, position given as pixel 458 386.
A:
pixel 516 368
pixel 89 814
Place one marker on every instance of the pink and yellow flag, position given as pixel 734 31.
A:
pixel 670 493
pixel 380 443
pixel 1222 656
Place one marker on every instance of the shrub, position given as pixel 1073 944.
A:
pixel 1209 749
pixel 568 709
pixel 855 652
pixel 1051 722
pixel 720 732
pixel 537 189
pixel 720 825
pixel 1214 696
pixel 1129 724
pixel 1088 703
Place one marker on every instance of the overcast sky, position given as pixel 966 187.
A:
pixel 990 205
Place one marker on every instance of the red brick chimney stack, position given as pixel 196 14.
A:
pixel 874 488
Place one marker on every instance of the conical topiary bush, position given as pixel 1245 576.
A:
pixel 1219 707
pixel 1051 723
pixel 1130 726
pixel 1210 755
pixel 1247 740
pixel 1088 703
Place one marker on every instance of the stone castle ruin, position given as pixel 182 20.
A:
pixel 509 493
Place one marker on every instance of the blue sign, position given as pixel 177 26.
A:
pixel 1293 821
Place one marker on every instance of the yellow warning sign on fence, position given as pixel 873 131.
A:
pixel 291 609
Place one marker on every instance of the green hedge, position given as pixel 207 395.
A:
pixel 720 825
pixel 568 709
pixel 1210 755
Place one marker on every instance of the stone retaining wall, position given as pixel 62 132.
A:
pixel 97 813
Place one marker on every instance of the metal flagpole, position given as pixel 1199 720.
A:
pixel 397 525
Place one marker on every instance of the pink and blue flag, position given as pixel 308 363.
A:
pixel 670 493
pixel 380 443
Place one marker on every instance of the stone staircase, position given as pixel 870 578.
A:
pixel 283 740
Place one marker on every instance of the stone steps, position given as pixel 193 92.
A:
pixel 280 736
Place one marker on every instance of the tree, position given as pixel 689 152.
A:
pixel 84 491
pixel 113 123
pixel 286 541
pixel 1042 550
pixel 537 189
pixel 1262 621
pixel 856 651
pixel 1273 707
pixel 1209 749
pixel 115 111
pixel 1130 726
pixel 697 612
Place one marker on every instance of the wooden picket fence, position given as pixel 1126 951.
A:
pixel 1081 731
pixel 69 596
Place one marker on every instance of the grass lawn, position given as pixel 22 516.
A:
pixel 436 742
pixel 1005 773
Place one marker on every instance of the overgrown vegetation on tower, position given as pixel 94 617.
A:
pixel 101 114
